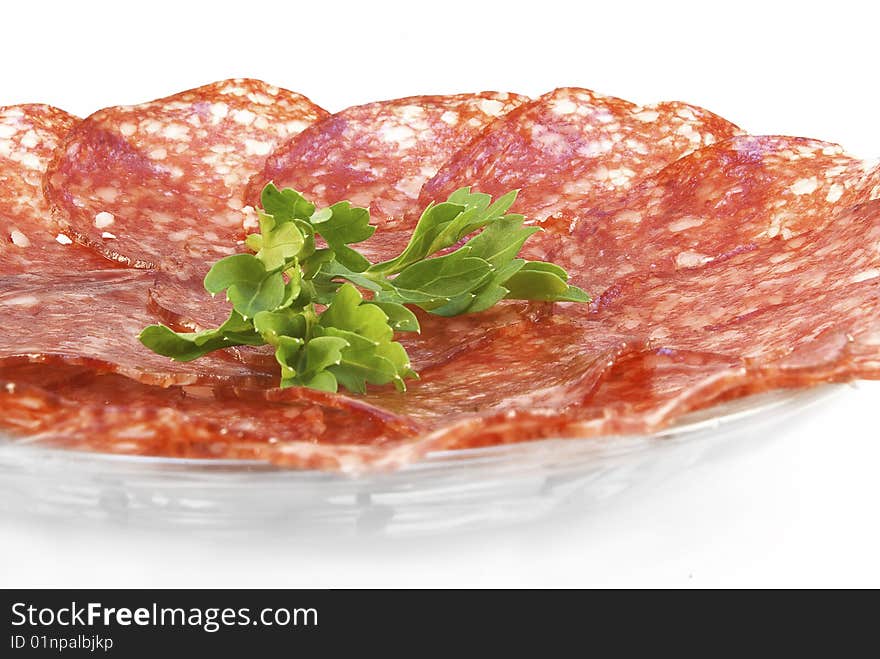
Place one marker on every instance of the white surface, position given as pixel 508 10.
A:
pixel 801 510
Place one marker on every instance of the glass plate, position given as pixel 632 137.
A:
pixel 447 490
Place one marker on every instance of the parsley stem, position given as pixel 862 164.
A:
pixel 311 318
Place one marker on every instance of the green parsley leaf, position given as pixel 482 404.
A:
pixel 400 318
pixel 272 325
pixel 344 224
pixel 543 281
pixel 249 287
pixel 444 276
pixel 341 225
pixel 285 205
pixel 322 352
pixel 278 242
pixel 443 225
pixel 287 354
pixel 371 355
pixel 187 346
pixel 347 312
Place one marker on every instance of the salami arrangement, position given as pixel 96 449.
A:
pixel 380 155
pixel 720 264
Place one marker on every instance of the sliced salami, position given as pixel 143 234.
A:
pixel 868 188
pixel 801 311
pixel 378 155
pixel 443 339
pixel 575 147
pixel 109 413
pixel 550 363
pixel 529 377
pixel 94 318
pixel 29 135
pixel 171 299
pixel 161 183
pixel 642 392
pixel 723 265
pixel 715 202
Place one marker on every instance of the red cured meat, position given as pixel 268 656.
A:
pixel 717 201
pixel 868 188
pixel 803 310
pixel 93 318
pixel 29 241
pixel 161 183
pixel 642 392
pixel 730 265
pixel 639 394
pixel 548 362
pixel 170 298
pixel 574 147
pixel 378 155
pixel 109 413
pixel 63 303
pixel 532 376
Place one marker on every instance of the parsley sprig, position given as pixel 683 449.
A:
pixel 301 288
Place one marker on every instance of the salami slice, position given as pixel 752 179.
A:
pixel 171 299
pixel 81 410
pixel 800 311
pixel 715 202
pixel 378 155
pixel 868 188
pixel 530 378
pixel 161 183
pixel 94 318
pixel 576 147
pixel 642 392
pixel 549 363
pixel 29 135
pixel 443 339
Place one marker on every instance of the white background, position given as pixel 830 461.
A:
pixel 800 509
